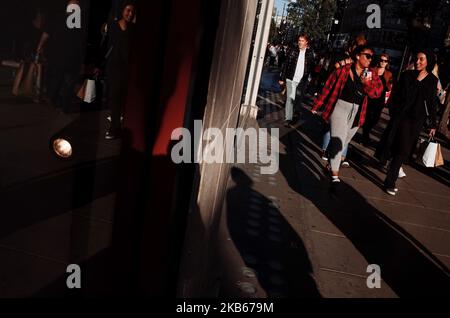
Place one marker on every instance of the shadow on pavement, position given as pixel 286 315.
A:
pixel 406 266
pixel 267 242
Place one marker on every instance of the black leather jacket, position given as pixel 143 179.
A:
pixel 288 70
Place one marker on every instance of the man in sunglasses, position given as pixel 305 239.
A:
pixel 346 93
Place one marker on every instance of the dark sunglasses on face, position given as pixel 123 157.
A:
pixel 368 55
pixel 384 61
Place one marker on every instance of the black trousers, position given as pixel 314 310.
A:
pixel 373 115
pixel 405 136
pixel 117 93
pixel 61 83
pixel 300 95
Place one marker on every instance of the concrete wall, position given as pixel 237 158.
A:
pixel 199 274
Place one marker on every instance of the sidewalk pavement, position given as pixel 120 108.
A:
pixel 301 237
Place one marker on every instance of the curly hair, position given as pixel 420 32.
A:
pixel 431 58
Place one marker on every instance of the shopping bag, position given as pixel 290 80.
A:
pixel 429 157
pixel 90 93
pixel 439 158
pixel 82 90
pixel 87 91
pixel 11 63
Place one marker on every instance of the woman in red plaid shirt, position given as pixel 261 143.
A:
pixel 344 102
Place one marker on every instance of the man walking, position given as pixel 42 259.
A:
pixel 295 74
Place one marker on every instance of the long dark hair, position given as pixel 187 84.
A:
pixel 431 58
pixel 121 5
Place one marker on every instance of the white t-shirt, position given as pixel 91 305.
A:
pixel 300 69
pixel 273 51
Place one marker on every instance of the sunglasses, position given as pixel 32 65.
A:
pixel 368 55
pixel 384 61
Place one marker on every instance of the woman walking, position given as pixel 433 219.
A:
pixel 412 100
pixel 117 66
pixel 346 92
pixel 375 105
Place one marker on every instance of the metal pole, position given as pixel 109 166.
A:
pixel 403 61
pixel 259 50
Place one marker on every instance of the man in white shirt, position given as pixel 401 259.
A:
pixel 273 54
pixel 295 74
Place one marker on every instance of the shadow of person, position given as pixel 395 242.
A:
pixel 267 242
pixel 335 146
pixel 360 161
pixel 440 174
pixel 406 266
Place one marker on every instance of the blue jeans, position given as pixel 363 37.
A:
pixel 294 95
pixel 291 93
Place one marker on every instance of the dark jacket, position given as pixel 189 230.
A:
pixel 403 95
pixel 288 70
pixel 402 105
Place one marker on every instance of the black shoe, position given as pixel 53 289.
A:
pixel 287 123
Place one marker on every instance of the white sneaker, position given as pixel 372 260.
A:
pixel 401 173
pixel 345 164
pixel 391 191
pixel 335 179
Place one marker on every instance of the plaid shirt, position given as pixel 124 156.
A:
pixel 333 89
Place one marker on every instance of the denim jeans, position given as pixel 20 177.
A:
pixel 291 92
pixel 294 96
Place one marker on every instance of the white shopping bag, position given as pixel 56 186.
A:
pixel 429 156
pixel 90 93
pixel 11 63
